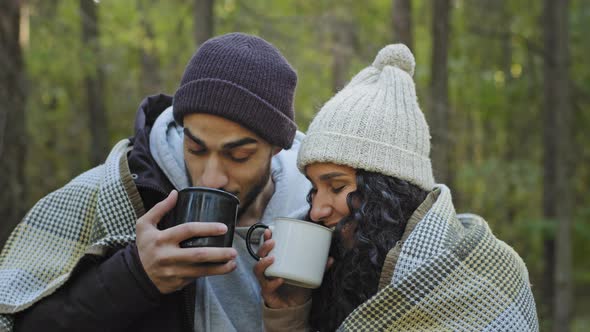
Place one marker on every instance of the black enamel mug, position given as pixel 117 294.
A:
pixel 200 204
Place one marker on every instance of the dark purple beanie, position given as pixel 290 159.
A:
pixel 244 79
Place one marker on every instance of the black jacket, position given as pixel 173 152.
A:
pixel 113 293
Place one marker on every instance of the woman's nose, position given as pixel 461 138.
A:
pixel 320 209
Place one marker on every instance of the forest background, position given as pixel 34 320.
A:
pixel 504 86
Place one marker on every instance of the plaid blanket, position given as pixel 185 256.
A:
pixel 452 275
pixel 93 212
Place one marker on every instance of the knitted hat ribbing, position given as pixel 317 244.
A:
pixel 375 123
pixel 242 78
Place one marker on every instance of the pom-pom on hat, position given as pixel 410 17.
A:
pixel 375 123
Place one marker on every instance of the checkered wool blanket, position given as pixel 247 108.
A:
pixel 88 215
pixel 452 275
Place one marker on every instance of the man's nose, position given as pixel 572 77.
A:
pixel 320 209
pixel 214 175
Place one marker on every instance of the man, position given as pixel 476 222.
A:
pixel 82 261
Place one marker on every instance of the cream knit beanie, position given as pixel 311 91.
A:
pixel 375 123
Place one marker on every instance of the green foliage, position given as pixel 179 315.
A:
pixel 56 124
pixel 495 90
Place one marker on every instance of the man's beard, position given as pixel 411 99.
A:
pixel 254 192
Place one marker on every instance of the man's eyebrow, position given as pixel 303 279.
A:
pixel 193 137
pixel 240 142
pixel 328 176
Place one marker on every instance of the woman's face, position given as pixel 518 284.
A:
pixel 331 185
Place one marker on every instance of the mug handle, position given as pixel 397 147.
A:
pixel 249 234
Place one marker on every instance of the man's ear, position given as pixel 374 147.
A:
pixel 276 150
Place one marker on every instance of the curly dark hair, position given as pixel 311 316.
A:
pixel 380 208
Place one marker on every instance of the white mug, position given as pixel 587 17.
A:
pixel 301 251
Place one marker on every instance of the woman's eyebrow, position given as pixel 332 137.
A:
pixel 331 175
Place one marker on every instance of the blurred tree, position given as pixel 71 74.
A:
pixel 12 119
pixel 579 19
pixel 57 119
pixel 439 93
pixel 512 152
pixel 343 30
pixel 204 17
pixel 94 80
pixel 149 76
pixel 557 142
pixel 495 67
pixel 402 22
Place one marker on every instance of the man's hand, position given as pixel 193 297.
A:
pixel 170 267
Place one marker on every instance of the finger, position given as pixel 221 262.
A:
pixel 266 247
pixel 155 214
pixel 195 256
pixel 272 285
pixel 201 270
pixel 188 230
pixel 330 262
pixel 261 266
pixel 267 234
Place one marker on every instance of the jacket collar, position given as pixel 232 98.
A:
pixel 151 182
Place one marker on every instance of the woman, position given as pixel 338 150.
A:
pixel 402 258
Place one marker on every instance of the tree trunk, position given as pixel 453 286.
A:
pixel 439 93
pixel 94 83
pixel 342 52
pixel 150 81
pixel 12 119
pixel 203 20
pixel 557 192
pixel 402 22
pixel 511 123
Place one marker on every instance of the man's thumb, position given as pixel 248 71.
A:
pixel 155 214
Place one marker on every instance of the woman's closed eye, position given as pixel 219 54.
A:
pixel 337 189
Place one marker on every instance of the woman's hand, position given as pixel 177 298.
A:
pixel 275 292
